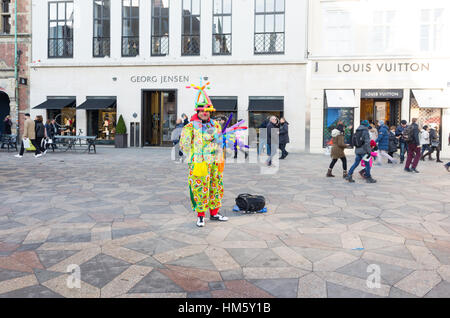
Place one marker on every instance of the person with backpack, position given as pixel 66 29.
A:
pixel 411 137
pixel 361 141
pixel 337 151
pixel 435 144
pixel 403 145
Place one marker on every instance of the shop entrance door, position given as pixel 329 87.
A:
pixel 386 110
pixel 159 111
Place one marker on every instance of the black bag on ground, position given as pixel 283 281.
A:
pixel 250 203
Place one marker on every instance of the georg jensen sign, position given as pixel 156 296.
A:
pixel 159 79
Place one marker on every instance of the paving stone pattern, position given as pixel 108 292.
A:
pixel 123 216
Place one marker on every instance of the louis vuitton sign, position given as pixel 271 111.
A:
pixel 383 67
pixel 382 93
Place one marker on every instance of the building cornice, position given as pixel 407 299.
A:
pixel 162 64
pixel 384 57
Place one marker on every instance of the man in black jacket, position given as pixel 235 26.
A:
pixel 403 145
pixel 414 148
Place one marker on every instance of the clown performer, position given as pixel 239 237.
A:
pixel 201 142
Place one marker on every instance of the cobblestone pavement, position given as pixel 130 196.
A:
pixel 123 216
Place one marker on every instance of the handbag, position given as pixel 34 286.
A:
pixel 250 203
pixel 435 144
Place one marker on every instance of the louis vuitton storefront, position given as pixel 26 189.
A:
pixel 352 91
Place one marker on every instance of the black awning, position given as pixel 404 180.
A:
pixel 225 104
pixel 98 103
pixel 57 103
pixel 267 105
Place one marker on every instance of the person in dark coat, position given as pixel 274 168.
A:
pixel 393 142
pixel 284 137
pixel 337 150
pixel 8 125
pixel 40 133
pixel 362 149
pixel 414 149
pixel 383 142
pixel 399 134
pixel 273 124
pixel 50 132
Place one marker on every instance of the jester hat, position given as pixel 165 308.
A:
pixel 203 102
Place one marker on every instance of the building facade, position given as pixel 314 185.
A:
pixel 96 60
pixel 377 60
pixel 14 97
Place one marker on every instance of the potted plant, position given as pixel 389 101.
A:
pixel 121 140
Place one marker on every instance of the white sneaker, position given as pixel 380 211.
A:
pixel 200 221
pixel 18 156
pixel 38 156
pixel 45 152
pixel 219 217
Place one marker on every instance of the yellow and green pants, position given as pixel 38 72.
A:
pixel 206 192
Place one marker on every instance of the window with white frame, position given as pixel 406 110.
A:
pixel 269 26
pixel 222 27
pixel 338 32
pixel 383 30
pixel 160 27
pixel 60 29
pixel 190 36
pixel 432 29
pixel 130 28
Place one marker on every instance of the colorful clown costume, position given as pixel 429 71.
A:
pixel 199 140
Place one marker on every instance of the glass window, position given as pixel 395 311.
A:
pixel 130 27
pixel 222 27
pixel 432 30
pixel 160 27
pixel 334 116
pixel 191 28
pixel 102 28
pixel 338 30
pixel 383 31
pixel 269 26
pixel 60 29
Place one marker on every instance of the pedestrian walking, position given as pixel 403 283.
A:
pixel 368 160
pixel 175 137
pixel 29 137
pixel 40 133
pixel 361 141
pixel 399 133
pixel 393 143
pixel 273 124
pixel 424 138
pixel 7 125
pixel 337 151
pixel 435 143
pixel 284 137
pixel 263 135
pixel 411 136
pixel 383 143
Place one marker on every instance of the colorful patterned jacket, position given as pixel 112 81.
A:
pixel 201 145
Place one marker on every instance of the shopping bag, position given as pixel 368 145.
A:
pixel 26 143
pixel 31 147
pixel 200 169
